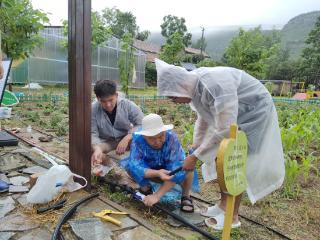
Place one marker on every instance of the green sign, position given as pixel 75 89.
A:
pixel 9 99
pixel 234 164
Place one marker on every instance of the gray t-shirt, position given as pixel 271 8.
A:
pixel 128 118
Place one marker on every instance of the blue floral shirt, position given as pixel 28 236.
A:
pixel 143 157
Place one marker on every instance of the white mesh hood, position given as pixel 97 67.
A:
pixel 174 81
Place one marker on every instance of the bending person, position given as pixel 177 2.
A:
pixel 222 96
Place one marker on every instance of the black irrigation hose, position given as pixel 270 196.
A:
pixel 68 214
pixel 173 215
pixel 250 220
pixel 185 222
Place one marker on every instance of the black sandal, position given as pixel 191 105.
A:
pixel 186 202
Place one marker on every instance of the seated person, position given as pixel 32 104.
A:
pixel 155 151
pixel 112 121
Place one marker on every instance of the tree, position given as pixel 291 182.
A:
pixel 311 55
pixel 20 25
pixel 126 62
pixel 207 63
pixel 172 51
pixel 251 51
pixel 172 24
pixel 142 36
pixel 121 23
pixel 99 32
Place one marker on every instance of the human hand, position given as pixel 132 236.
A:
pixel 193 146
pixel 150 200
pixel 96 157
pixel 163 174
pixel 189 163
pixel 122 146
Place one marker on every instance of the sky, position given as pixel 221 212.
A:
pixel 206 13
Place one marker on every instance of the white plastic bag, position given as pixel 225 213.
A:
pixel 57 179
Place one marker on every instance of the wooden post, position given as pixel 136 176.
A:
pixel 79 43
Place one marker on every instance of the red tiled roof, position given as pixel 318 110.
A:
pixel 195 51
pixel 147 46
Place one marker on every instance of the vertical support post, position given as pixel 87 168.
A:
pixel 79 68
pixel 228 217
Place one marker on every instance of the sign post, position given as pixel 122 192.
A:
pixel 231 170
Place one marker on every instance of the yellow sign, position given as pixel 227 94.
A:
pixel 231 169
pixel 232 161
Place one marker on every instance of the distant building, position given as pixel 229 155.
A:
pixel 153 50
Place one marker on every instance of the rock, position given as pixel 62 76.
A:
pixel 23 200
pixel 45 138
pixel 38 234
pixel 91 229
pixel 10 162
pixel 16 189
pixel 6 235
pixel 4 178
pixel 34 169
pixel 6 206
pixel 194 218
pixel 17 223
pixel 19 180
pixel 138 233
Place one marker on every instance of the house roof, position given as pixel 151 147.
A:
pixel 195 51
pixel 147 46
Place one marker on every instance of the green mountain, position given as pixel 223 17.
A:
pixel 296 31
pixel 293 35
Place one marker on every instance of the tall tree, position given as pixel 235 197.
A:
pixel 172 51
pixel 173 24
pixel 122 23
pixel 20 25
pixel 100 33
pixel 251 51
pixel 311 55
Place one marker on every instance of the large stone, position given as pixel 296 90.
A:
pixel 6 200
pixel 23 201
pixel 91 229
pixel 194 218
pixel 18 189
pixel 38 234
pixel 19 180
pixel 138 233
pixel 6 206
pixel 4 178
pixel 17 223
pixel 10 162
pixel 34 169
pixel 6 235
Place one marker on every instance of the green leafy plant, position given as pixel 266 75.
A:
pixel 20 25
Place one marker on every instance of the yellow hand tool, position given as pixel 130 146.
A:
pixel 104 215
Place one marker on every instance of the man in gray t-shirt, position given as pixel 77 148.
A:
pixel 113 120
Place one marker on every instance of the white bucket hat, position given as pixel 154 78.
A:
pixel 152 125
